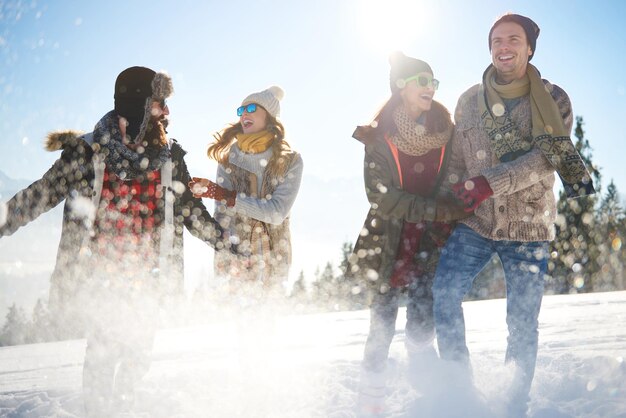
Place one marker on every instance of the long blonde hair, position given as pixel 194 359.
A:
pixel 218 150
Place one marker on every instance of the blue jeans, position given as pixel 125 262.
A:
pixel 525 264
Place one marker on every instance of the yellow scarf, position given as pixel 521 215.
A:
pixel 516 88
pixel 548 130
pixel 256 142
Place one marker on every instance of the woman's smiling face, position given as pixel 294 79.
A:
pixel 418 98
pixel 254 122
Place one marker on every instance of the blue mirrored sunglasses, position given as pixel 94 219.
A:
pixel 250 108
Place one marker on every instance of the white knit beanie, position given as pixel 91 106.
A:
pixel 269 99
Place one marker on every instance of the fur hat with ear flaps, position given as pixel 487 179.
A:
pixel 135 89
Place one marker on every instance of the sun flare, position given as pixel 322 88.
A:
pixel 386 26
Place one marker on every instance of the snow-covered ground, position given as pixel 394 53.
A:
pixel 311 367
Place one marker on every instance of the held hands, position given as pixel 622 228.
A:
pixel 449 210
pixel 472 192
pixel 201 187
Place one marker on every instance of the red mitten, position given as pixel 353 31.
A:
pixel 472 192
pixel 201 187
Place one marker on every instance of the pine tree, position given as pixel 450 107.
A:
pixel 575 249
pixel 15 329
pixel 352 288
pixel 41 325
pixel 611 258
pixel 325 288
pixel 299 291
pixel 344 266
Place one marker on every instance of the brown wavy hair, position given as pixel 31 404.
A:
pixel 218 150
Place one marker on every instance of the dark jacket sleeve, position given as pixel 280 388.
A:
pixel 195 216
pixel 383 192
pixel 69 173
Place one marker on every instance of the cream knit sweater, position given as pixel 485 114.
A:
pixel 523 206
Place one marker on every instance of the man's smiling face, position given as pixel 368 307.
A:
pixel 509 51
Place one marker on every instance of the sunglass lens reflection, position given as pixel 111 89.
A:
pixel 251 108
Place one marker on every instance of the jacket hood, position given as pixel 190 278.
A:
pixel 61 139
pixel 365 134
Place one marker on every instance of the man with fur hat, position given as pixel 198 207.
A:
pixel 511 135
pixel 121 251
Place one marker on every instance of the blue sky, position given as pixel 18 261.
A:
pixel 59 60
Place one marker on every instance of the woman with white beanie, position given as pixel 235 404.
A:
pixel 258 178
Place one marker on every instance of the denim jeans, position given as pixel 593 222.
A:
pixel 420 327
pixel 525 264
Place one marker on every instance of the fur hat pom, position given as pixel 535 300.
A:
pixel 57 140
pixel 162 86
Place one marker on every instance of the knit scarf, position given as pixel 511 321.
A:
pixel 412 138
pixel 256 142
pixel 121 160
pixel 548 130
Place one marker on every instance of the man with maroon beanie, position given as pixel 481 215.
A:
pixel 511 136
pixel 120 258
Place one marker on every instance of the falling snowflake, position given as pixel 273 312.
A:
pixel 498 109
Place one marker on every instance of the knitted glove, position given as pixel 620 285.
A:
pixel 472 192
pixel 201 187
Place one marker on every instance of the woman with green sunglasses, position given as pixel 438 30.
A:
pixel 258 179
pixel 398 248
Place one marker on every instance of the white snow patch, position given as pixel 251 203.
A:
pixel 308 366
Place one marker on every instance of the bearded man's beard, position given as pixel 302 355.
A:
pixel 155 136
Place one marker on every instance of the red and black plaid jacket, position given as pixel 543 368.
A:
pixel 129 214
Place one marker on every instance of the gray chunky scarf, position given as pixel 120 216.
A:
pixel 121 160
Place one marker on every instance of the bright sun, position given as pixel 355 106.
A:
pixel 391 25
